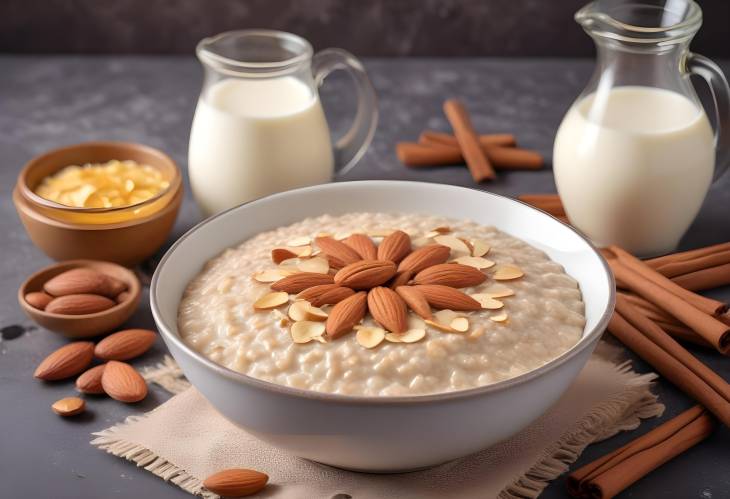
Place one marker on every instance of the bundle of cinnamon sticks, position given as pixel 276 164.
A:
pixel 483 154
pixel 656 305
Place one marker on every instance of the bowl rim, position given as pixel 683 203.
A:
pixel 135 289
pixel 585 341
pixel 28 193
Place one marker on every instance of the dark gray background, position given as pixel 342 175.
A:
pixel 47 102
pixel 499 28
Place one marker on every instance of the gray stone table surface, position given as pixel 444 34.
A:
pixel 47 102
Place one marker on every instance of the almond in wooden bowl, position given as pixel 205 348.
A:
pixel 78 311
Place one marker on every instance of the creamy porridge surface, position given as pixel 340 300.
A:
pixel 545 318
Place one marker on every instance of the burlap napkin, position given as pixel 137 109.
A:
pixel 184 440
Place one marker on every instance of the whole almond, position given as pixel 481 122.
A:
pixel 401 278
pixel 84 281
pixel 346 314
pixel 395 247
pixel 363 245
pixel 125 345
pixel 81 304
pixel 236 482
pixel 90 381
pixel 38 299
pixel 278 255
pixel 425 257
pixel 445 297
pixel 122 382
pixel 325 294
pixel 338 250
pixel 455 275
pixel 296 283
pixel 65 362
pixel 365 274
pixel 69 406
pixel 388 309
pixel 415 300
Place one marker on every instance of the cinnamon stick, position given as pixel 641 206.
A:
pixel 709 278
pixel 609 475
pixel 712 330
pixel 429 137
pixel 546 202
pixel 680 267
pixel 707 305
pixel 670 359
pixel 435 154
pixel 479 166
pixel 688 255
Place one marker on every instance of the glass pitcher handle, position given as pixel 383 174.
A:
pixel 351 146
pixel 711 72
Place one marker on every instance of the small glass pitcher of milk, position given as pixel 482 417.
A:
pixel 635 154
pixel 259 127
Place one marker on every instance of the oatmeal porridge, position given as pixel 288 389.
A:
pixel 382 304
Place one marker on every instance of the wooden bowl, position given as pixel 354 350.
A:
pixel 126 235
pixel 82 326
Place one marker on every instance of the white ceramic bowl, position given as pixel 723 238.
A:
pixel 382 434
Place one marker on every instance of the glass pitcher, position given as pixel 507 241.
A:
pixel 259 127
pixel 635 154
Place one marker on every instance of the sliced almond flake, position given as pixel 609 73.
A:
pixel 480 247
pixel 487 301
pixel 291 265
pixel 370 337
pixel 306 331
pixel 445 316
pixel 475 261
pixel 324 234
pixel 468 244
pixel 302 310
pixel 415 322
pixel 271 300
pixel 342 235
pixel 380 232
pixel 299 241
pixel 454 243
pixel 499 291
pixel 502 317
pixel 302 251
pixel 409 336
pixel 439 326
pixel 460 324
pixel 270 275
pixel 507 273
pixel 421 241
pixel 318 265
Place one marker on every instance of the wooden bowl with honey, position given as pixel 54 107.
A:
pixel 112 201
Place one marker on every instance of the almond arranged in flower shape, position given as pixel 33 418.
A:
pixel 387 279
pixel 365 274
pixel 363 245
pixel 394 247
pixel 388 309
pixel 415 300
pixel 325 294
pixel 425 257
pixel 337 250
pixel 451 274
pixel 445 297
pixel 236 482
pixel 296 283
pixel 346 314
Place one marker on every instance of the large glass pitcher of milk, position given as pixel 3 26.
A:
pixel 259 127
pixel 635 154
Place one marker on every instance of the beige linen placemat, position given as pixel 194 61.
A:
pixel 184 440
